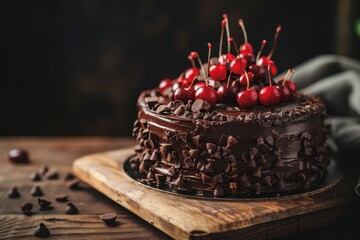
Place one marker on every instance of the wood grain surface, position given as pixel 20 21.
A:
pixel 59 153
pixel 184 217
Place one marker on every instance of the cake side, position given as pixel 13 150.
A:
pixel 259 151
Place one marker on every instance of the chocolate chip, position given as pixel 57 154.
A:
pixel 172 170
pixel 154 156
pixel 270 140
pixel 231 141
pixel 73 184
pixel 194 153
pixel 44 203
pixel 71 208
pixel 165 148
pixel 26 208
pixel 53 175
pixel 161 108
pixel 13 193
pixel 36 191
pixel 61 198
pixel 280 184
pixel 41 231
pixel 262 160
pixel 151 101
pixel 211 147
pixel 43 170
pixel 251 164
pixel 109 218
pixel 179 182
pixel 244 181
pixel 280 141
pixel 218 192
pixel 277 122
pixel 180 110
pixel 256 188
pixel 257 173
pixel 18 156
pixel 196 140
pixel 279 163
pixel 301 177
pixel 35 177
pixel 69 176
pixel 267 180
pixel 160 179
pixel 188 162
pixel 199 105
pixel 233 187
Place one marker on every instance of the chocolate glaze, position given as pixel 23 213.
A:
pixel 227 151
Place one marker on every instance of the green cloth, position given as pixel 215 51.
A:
pixel 336 79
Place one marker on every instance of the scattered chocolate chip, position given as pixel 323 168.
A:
pixel 71 208
pixel 13 193
pixel 43 170
pixel 35 177
pixel 69 176
pixel 36 191
pixel 26 208
pixel 61 198
pixel 18 156
pixel 109 218
pixel 44 203
pixel 41 231
pixel 73 184
pixel 52 175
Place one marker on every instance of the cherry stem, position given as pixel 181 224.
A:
pixel 236 48
pixel 181 75
pixel 192 61
pixel 286 77
pixel 209 55
pixel 292 74
pixel 192 82
pixel 227 32
pixel 228 80
pixel 202 69
pixel 268 75
pixel 221 37
pixel 241 23
pixel 247 80
pixel 278 30
pixel 261 48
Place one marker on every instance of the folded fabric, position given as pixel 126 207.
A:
pixel 336 79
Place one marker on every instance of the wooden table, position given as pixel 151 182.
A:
pixel 58 153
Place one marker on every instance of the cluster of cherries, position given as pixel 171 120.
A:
pixel 235 75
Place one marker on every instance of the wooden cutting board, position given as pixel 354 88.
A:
pixel 184 217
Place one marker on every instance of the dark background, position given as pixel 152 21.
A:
pixel 77 67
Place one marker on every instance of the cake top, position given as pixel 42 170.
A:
pixel 236 78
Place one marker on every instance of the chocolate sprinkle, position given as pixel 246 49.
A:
pixel 13 193
pixel 36 191
pixel 41 231
pixel 26 208
pixel 71 208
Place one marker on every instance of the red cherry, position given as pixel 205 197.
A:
pixel 218 72
pixel 269 96
pixel 208 94
pixel 226 58
pixel 247 98
pixel 243 80
pixel 250 58
pixel 273 68
pixel 292 86
pixel 184 94
pixel 199 85
pixel 192 73
pixel 263 61
pixel 246 48
pixel 165 84
pixel 237 65
pixel 258 71
pixel 285 94
pixel 225 95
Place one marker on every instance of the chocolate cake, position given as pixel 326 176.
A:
pixel 228 129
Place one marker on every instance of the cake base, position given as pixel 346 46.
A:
pixel 184 217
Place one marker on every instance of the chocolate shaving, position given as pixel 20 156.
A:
pixel 151 101
pixel 231 141
pixel 161 109
pixel 180 110
pixel 188 162
pixel 211 148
